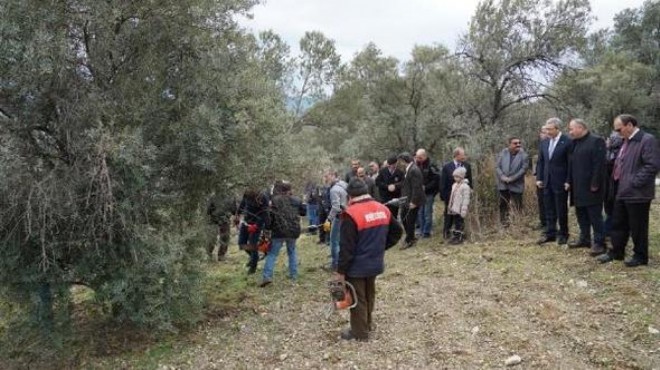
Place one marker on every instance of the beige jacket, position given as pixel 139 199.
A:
pixel 460 198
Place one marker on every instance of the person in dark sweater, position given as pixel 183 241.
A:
pixel 283 225
pixel 367 230
pixel 388 183
pixel 253 210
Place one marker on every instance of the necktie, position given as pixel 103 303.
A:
pixel 618 164
pixel 551 148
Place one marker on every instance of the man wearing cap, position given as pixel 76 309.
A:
pixel 413 189
pixel 367 230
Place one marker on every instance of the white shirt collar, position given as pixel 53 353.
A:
pixel 634 133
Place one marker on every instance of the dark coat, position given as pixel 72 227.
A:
pixel 431 175
pixel 413 186
pixel 447 178
pixel 586 171
pixel 386 178
pixel 284 217
pixel 640 164
pixel 221 209
pixel 553 172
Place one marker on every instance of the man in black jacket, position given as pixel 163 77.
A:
pixel 413 189
pixel 634 174
pixel 283 224
pixel 586 182
pixel 220 211
pixel 367 230
pixel 388 183
pixel 447 179
pixel 431 176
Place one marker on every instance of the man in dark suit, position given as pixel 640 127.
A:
pixel 633 177
pixel 551 175
pixel 586 182
pixel 388 182
pixel 412 188
pixel 447 179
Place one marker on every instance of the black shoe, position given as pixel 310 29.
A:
pixel 562 240
pixel 634 262
pixel 426 236
pixel 579 244
pixel 597 250
pixel 605 258
pixel 546 239
pixel 252 270
pixel 347 334
pixel 409 244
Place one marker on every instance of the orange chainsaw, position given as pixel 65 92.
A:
pixel 343 296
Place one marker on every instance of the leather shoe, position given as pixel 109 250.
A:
pixel 579 244
pixel 605 258
pixel 597 250
pixel 546 239
pixel 409 244
pixel 562 240
pixel 634 262
pixel 347 334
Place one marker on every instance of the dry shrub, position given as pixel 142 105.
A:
pixel 484 217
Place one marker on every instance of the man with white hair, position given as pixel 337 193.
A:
pixel 551 175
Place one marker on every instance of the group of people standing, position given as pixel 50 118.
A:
pixel 592 174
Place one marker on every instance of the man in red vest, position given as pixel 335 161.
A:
pixel 367 230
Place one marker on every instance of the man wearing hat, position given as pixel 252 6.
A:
pixel 367 230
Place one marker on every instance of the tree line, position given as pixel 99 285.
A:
pixel 118 119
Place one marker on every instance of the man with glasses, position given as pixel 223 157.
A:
pixel 511 167
pixel 634 173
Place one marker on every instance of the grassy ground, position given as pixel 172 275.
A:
pixel 438 306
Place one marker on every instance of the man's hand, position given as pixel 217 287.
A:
pixel 506 179
pixel 338 277
pixel 326 226
pixel 567 186
pixel 391 187
pixel 594 189
pixel 539 184
pixel 412 206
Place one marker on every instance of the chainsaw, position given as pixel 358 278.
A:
pixel 343 297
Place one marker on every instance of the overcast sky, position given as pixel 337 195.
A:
pixel 395 26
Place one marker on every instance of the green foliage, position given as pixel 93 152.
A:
pixel 121 119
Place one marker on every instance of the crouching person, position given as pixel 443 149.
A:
pixel 283 225
pixel 367 230
pixel 458 205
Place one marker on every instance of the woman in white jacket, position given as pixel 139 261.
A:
pixel 458 205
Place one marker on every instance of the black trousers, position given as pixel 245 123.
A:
pixel 361 315
pixel 458 222
pixel 323 215
pixel 591 217
pixel 394 210
pixel 541 203
pixel 409 217
pixel 447 221
pixel 630 220
pixel 509 200
pixel 556 210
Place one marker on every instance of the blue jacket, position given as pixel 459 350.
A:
pixel 367 230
